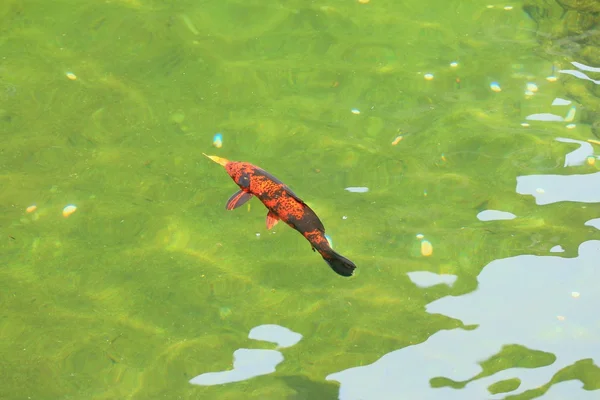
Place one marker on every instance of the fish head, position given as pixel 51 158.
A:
pixel 238 171
pixel 241 173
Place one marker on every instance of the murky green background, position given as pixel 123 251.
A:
pixel 152 282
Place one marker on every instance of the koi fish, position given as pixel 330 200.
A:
pixel 283 205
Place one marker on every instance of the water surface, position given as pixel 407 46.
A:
pixel 151 283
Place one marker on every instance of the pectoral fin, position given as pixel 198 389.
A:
pixel 238 199
pixel 272 220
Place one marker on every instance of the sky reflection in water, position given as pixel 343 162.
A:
pixel 552 307
pixel 541 313
pixel 250 363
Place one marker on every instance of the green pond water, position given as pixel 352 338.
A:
pixel 109 105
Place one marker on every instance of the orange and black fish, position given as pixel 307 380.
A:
pixel 283 205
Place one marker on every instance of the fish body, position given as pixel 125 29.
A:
pixel 282 205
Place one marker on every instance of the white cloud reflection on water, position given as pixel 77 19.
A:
pixel 549 189
pixel 247 364
pixel 544 303
pixel 519 300
pixel 250 363
pixel 495 215
pixel 426 279
pixel 579 156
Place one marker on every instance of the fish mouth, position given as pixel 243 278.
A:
pixel 218 160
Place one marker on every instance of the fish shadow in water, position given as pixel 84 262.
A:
pixel 307 389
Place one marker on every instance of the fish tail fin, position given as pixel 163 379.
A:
pixel 337 262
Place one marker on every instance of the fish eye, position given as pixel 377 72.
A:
pixel 244 181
